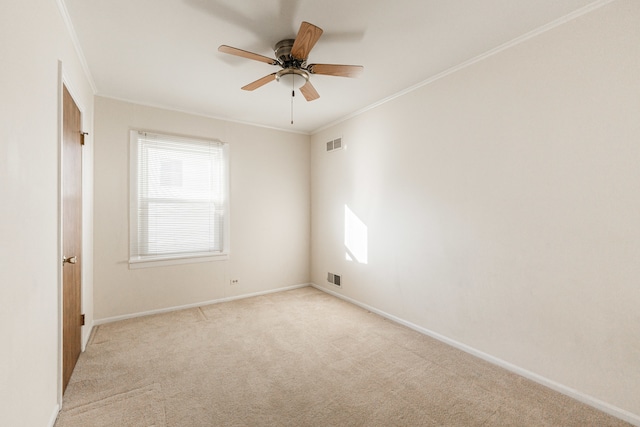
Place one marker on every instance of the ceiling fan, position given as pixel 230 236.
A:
pixel 292 55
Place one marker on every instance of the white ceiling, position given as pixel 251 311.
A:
pixel 164 52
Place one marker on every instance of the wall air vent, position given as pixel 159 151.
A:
pixel 333 278
pixel 336 144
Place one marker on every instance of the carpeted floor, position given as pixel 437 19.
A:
pixel 296 358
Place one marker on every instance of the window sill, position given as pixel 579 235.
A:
pixel 164 261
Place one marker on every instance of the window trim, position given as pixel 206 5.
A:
pixel 173 259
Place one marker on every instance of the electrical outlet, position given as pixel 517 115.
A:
pixel 235 281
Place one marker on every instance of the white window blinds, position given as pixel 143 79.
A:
pixel 178 197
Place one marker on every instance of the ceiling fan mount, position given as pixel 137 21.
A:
pixel 292 55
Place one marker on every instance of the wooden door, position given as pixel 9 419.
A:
pixel 71 236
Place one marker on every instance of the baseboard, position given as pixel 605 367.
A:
pixel 193 305
pixel 54 416
pixel 568 391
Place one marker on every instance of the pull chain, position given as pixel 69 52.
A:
pixel 293 94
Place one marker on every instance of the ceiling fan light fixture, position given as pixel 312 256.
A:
pixel 292 78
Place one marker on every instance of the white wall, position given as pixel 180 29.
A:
pixel 270 218
pixel 34 40
pixel 502 206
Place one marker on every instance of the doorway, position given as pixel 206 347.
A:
pixel 71 235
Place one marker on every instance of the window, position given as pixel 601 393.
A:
pixel 179 200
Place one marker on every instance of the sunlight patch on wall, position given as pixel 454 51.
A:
pixel 355 237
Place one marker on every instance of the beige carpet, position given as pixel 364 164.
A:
pixel 296 358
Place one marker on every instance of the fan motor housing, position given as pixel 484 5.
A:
pixel 283 50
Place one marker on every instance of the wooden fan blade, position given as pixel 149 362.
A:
pixel 246 54
pixel 260 82
pixel 308 35
pixel 336 70
pixel 309 92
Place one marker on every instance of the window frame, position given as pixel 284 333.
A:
pixel 137 261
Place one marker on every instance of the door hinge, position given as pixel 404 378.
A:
pixel 82 135
pixel 82 320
